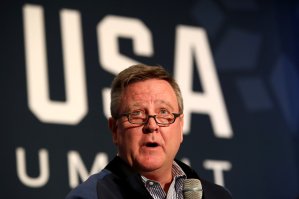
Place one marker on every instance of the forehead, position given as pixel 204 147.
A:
pixel 149 92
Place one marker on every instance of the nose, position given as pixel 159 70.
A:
pixel 151 125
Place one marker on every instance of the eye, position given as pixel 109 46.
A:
pixel 164 112
pixel 137 113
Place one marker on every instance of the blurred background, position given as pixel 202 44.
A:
pixel 236 61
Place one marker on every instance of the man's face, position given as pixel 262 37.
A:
pixel 148 147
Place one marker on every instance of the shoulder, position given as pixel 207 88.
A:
pixel 214 191
pixel 88 188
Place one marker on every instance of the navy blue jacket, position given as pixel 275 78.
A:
pixel 119 181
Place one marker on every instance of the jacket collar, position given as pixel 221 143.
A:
pixel 123 170
pixel 129 176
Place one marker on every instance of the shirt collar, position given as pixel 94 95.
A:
pixel 176 171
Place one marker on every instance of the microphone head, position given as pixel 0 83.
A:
pixel 192 189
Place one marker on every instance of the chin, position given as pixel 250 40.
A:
pixel 150 164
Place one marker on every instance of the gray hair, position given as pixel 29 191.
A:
pixel 138 73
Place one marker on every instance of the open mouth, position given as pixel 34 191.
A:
pixel 151 144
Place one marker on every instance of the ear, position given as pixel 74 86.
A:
pixel 181 126
pixel 113 128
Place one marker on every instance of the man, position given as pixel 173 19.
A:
pixel 147 129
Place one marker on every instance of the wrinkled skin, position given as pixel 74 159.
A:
pixel 148 148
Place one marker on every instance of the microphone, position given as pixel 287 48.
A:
pixel 192 189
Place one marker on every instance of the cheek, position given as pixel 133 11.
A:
pixel 128 138
pixel 119 136
pixel 174 137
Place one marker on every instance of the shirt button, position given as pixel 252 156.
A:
pixel 151 183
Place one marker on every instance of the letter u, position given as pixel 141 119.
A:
pixel 43 177
pixel 46 110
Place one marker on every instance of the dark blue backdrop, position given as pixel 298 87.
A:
pixel 254 45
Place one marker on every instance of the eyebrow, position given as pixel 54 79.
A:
pixel 141 105
pixel 164 102
pixel 131 106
